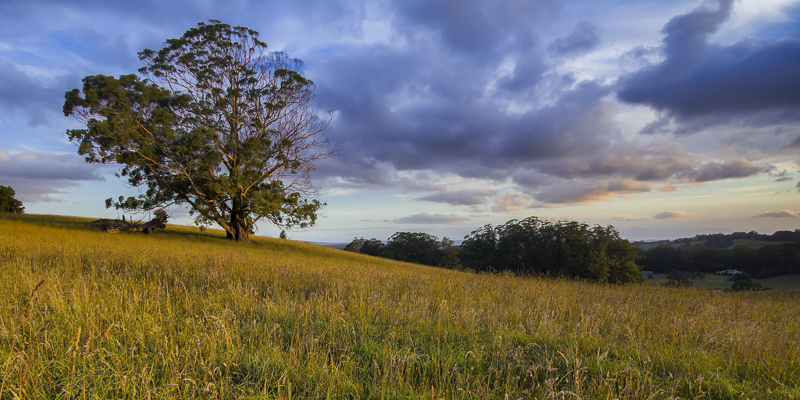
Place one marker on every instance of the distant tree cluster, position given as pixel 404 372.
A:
pixel 533 246
pixel 529 246
pixel 416 247
pixel 8 203
pixel 769 260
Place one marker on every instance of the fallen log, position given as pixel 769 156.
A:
pixel 116 225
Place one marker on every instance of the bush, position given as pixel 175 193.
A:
pixel 7 201
pixel 741 285
pixel 677 278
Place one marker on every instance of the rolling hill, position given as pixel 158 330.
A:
pixel 184 314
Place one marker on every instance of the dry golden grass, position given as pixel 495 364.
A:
pixel 180 314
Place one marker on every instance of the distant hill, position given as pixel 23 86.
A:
pixel 761 256
pixel 727 241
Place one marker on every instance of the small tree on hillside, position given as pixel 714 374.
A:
pixel 677 278
pixel 217 124
pixel 8 203
pixel 355 245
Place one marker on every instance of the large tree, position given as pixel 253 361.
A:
pixel 214 122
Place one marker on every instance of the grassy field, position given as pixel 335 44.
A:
pixel 183 314
pixel 790 283
pixel 756 244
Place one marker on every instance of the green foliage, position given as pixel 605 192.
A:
pixel 372 247
pixel 762 262
pixel 8 203
pixel 217 124
pixel 677 278
pixel 421 248
pixel 745 284
pixel 355 245
pixel 533 246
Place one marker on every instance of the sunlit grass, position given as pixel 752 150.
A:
pixel 183 314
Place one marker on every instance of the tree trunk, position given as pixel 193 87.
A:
pixel 239 230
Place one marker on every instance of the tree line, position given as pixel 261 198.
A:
pixel 721 240
pixel 769 260
pixel 528 246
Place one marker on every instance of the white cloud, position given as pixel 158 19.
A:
pixel 425 218
pixel 779 214
pixel 673 215
pixel 511 201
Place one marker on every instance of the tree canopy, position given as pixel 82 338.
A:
pixel 214 122
pixel 8 203
pixel 533 246
pixel 416 247
pixel 421 248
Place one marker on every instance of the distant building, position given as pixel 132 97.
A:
pixel 729 272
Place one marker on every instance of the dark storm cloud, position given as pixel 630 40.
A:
pixel 585 37
pixel 426 218
pixel 464 197
pixel 753 81
pixel 36 176
pixel 399 111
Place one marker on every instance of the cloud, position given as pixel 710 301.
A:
pixel 673 215
pixel 631 219
pixel 717 170
pixel 654 161
pixel 779 214
pixel 585 37
pixel 37 176
pixel 781 176
pixel 465 197
pixel 36 99
pixel 792 145
pixel 750 82
pixel 469 89
pixel 425 218
pixel 579 192
pixel 511 201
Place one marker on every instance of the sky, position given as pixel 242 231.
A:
pixel 663 119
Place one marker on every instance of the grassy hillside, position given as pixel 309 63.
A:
pixel 180 314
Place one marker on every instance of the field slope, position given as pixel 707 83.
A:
pixel 184 314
